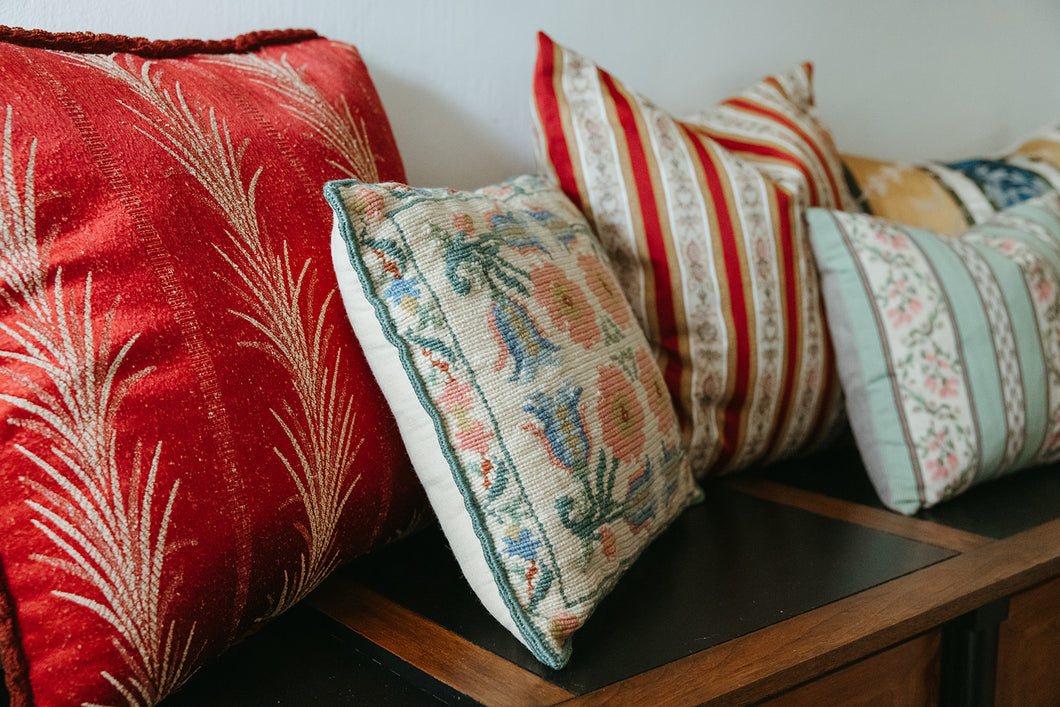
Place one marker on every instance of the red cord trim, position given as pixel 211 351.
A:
pixel 91 43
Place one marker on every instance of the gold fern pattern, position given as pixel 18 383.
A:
pixel 335 128
pixel 97 507
pixel 279 305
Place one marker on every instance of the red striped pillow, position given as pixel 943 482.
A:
pixel 713 255
pixel 774 126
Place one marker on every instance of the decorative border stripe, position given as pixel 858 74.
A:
pixel 550 104
pixel 888 357
pixel 653 232
pixel 733 413
pixel 965 192
pixel 1004 345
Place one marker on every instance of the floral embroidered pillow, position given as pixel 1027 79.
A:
pixel 950 197
pixel 190 437
pixel 532 409
pixel 947 347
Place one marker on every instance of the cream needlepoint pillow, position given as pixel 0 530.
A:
pixel 525 392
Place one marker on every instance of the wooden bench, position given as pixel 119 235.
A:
pixel 793 586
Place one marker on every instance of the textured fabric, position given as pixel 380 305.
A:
pixel 948 197
pixel 190 438
pixel 711 253
pixel 947 346
pixel 774 126
pixel 524 389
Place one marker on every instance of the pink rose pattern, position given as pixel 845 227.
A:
pixel 921 343
pixel 915 319
pixel 1036 257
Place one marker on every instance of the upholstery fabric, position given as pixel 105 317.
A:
pixel 712 255
pixel 190 438
pixel 523 387
pixel 948 197
pixel 947 346
pixel 774 126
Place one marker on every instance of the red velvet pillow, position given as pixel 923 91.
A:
pixel 190 438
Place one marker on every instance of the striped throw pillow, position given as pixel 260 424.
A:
pixel 774 126
pixel 948 197
pixel 713 256
pixel 947 346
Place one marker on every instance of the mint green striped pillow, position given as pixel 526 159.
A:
pixel 948 348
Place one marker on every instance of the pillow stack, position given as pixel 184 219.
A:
pixel 192 436
pixel 948 347
pixel 942 306
pixel 706 222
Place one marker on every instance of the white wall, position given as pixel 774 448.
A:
pixel 895 78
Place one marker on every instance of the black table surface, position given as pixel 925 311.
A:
pixel 995 509
pixel 727 567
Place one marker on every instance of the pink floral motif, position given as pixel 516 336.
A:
pixel 462 222
pixel 469 435
pixel 607 543
pixel 898 288
pixel 893 239
pixel 566 304
pixel 658 395
pixel 1007 245
pixel 940 379
pixel 498 191
pixel 474 437
pixel 562 625
pixel 944 388
pixel 901 316
pixel 456 396
pixel 1043 287
pixel 621 414
pixel 943 468
pixel 603 286
pixel 371 202
pixel 937 440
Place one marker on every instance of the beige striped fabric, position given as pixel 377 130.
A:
pixel 774 126
pixel 712 252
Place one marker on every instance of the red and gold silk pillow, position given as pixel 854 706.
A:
pixel 190 438
pixel 713 255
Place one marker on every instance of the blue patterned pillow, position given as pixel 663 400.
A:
pixel 525 392
pixel 950 197
pixel 948 348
